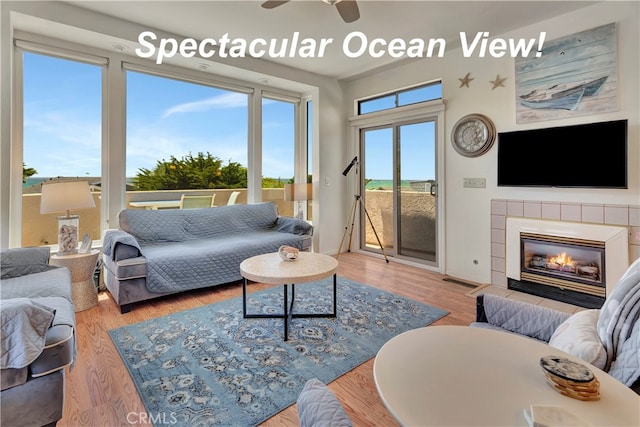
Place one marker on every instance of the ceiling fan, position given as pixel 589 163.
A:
pixel 348 9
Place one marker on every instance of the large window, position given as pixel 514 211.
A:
pixel 142 137
pixel 184 137
pixel 62 138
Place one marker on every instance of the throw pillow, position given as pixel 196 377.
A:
pixel 318 406
pixel 18 262
pixel 578 336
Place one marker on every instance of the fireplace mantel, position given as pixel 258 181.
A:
pixel 614 238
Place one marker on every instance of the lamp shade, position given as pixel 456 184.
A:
pixel 297 192
pixel 64 196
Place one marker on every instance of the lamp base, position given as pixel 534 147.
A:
pixel 68 234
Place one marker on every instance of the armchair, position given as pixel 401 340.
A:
pixel 38 337
pixel 608 338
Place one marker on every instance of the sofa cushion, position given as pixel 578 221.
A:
pixel 578 336
pixel 202 263
pixel 55 282
pixel 319 407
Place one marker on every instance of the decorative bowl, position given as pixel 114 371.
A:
pixel 288 253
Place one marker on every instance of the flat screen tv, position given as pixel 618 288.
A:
pixel 590 155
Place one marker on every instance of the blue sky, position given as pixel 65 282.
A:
pixel 165 117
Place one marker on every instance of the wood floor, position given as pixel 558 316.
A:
pixel 99 391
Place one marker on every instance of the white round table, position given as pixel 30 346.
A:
pixel 273 270
pixel 464 376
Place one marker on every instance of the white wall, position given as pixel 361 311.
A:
pixel 467 211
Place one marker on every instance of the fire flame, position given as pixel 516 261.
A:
pixel 562 259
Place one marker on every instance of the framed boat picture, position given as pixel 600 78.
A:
pixel 575 75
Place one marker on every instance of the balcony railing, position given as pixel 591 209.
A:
pixel 41 229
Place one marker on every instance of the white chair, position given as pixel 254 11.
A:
pixel 233 197
pixel 192 201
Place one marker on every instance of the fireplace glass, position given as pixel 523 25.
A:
pixel 564 269
pixel 572 261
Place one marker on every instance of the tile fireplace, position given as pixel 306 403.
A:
pixel 575 263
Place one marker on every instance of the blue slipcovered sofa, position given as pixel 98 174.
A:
pixel 161 252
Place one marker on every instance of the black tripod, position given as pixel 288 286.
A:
pixel 356 201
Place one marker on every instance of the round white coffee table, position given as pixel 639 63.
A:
pixel 273 270
pixel 464 376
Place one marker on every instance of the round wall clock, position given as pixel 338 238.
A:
pixel 473 135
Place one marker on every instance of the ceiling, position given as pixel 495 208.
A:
pixel 316 20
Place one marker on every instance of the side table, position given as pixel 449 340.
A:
pixel 82 267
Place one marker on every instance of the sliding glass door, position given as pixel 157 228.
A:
pixel 399 190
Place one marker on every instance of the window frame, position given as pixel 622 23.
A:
pixel 114 121
pixel 22 46
pixel 396 95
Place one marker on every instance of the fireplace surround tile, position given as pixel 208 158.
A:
pixel 499 279
pixel 498 222
pixel 497 250
pixel 532 209
pixel 593 213
pixel 550 210
pixel 515 208
pixel 616 215
pixel 498 235
pixel 499 207
pixel 570 212
pixel 498 264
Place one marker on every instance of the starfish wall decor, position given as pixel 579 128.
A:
pixel 497 82
pixel 465 80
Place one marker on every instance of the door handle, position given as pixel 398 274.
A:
pixel 432 191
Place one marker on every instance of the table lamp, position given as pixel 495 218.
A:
pixel 64 196
pixel 298 192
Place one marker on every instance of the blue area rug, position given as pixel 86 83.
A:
pixel 210 367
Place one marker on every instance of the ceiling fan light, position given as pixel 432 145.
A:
pixel 331 2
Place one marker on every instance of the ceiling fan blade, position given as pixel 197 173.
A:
pixel 270 4
pixel 348 9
